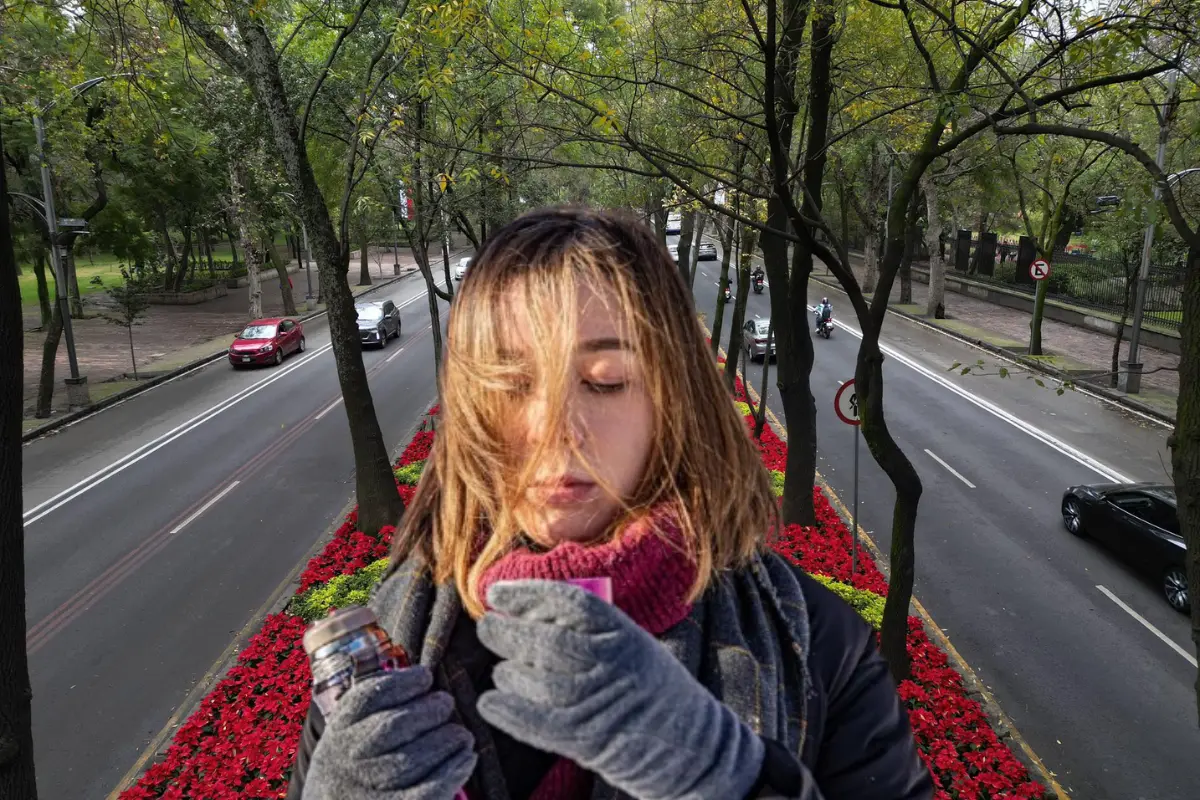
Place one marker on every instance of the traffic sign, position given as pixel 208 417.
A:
pixel 1039 270
pixel 845 403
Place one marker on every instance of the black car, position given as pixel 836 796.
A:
pixel 707 252
pixel 1137 522
pixel 378 321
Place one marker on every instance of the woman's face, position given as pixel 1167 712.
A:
pixel 609 420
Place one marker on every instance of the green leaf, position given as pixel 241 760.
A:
pixel 954 366
pixel 964 371
pixel 1004 372
pixel 1040 382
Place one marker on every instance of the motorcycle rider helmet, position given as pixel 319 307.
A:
pixel 824 301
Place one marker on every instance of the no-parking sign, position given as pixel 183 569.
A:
pixel 1039 270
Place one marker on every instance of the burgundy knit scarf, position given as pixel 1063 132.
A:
pixel 651 574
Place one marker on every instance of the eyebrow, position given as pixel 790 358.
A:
pixel 605 343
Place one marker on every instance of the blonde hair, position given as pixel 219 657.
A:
pixel 461 519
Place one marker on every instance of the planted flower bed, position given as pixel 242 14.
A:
pixel 241 741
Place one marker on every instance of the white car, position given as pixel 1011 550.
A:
pixel 460 271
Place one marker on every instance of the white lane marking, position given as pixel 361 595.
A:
pixel 949 468
pixel 1191 659
pixel 388 360
pixel 327 409
pixel 204 508
pixel 1067 450
pixel 104 473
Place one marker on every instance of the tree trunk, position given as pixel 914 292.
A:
pixel 694 257
pixel 242 213
pixel 746 265
pixel 364 263
pixel 379 503
pixel 1126 304
pixel 206 241
pixel 1035 322
pixel 911 234
pixel 16 719
pixel 445 255
pixel 760 413
pixel 659 214
pixel 74 299
pixel 421 255
pixel 45 397
pixel 285 287
pixel 232 242
pixel 719 313
pixel 185 259
pixel 168 249
pixel 936 305
pixel 683 251
pixel 871 262
pixel 132 355
pixel 43 288
pixel 1185 439
pixel 868 385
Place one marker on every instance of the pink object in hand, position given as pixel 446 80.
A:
pixel 601 587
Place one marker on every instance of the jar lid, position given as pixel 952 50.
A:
pixel 337 625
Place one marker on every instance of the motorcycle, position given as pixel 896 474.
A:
pixel 758 285
pixel 825 328
pixel 728 295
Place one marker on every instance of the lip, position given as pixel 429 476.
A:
pixel 564 491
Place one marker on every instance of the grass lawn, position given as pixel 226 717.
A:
pixel 105 266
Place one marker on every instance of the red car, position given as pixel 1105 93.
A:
pixel 266 341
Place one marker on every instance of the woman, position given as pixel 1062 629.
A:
pixel 585 433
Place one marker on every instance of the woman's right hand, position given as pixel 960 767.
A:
pixel 391 737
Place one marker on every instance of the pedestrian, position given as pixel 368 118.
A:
pixel 602 443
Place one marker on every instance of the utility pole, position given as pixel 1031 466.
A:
pixel 1130 379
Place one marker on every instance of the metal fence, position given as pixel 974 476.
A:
pixel 1103 283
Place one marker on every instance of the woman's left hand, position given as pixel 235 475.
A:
pixel 581 679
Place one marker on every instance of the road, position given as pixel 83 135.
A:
pixel 1106 702
pixel 156 528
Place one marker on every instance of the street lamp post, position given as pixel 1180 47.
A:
pixel 77 389
pixel 1130 378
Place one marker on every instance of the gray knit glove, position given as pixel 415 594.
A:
pixel 391 738
pixel 583 680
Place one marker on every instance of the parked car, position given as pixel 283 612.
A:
pixel 378 321
pixel 706 252
pixel 460 271
pixel 266 341
pixel 1139 523
pixel 674 224
pixel 754 339
pixel 673 249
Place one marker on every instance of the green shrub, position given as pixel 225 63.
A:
pixel 777 482
pixel 743 408
pixel 868 604
pixel 340 592
pixel 410 475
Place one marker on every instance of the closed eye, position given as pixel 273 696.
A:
pixel 605 388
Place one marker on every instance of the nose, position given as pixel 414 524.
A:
pixel 538 421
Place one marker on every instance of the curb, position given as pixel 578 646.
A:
pixel 1001 723
pixel 72 417
pixel 1116 398
pixel 157 747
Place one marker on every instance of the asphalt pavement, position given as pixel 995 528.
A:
pixel 1102 690
pixel 156 529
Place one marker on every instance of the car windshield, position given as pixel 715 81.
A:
pixel 763 325
pixel 258 332
pixel 369 312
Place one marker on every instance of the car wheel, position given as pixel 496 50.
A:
pixel 383 338
pixel 279 356
pixel 301 348
pixel 1072 516
pixel 1175 589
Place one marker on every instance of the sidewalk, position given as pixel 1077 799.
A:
pixel 169 336
pixel 1070 349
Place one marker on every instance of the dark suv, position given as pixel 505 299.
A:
pixel 378 321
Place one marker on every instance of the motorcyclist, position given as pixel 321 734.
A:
pixel 823 312
pixel 758 275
